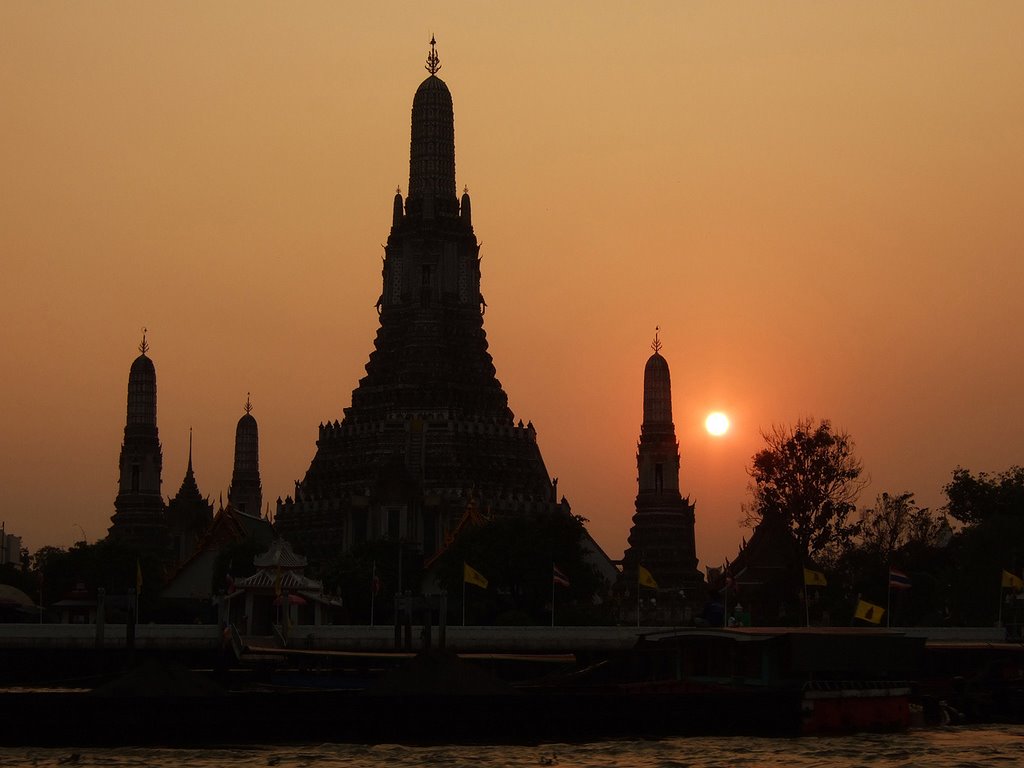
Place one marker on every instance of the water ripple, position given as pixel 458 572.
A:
pixel 975 747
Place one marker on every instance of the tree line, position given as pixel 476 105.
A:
pixel 809 478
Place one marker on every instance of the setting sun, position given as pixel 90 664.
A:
pixel 716 423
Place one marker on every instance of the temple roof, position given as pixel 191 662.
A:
pixel 285 580
pixel 280 555
pixel 189 492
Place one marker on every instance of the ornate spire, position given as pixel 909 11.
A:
pixel 189 470
pixel 433 61
pixel 144 346
pixel 245 493
pixel 657 390
pixel 656 344
pixel 432 148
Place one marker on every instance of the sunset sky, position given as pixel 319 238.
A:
pixel 820 204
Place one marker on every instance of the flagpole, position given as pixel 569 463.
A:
pixel 888 601
pixel 373 589
pixel 463 596
pixel 725 603
pixel 552 594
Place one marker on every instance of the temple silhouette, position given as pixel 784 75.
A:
pixel 661 539
pixel 429 443
pixel 176 530
pixel 139 510
pixel 429 433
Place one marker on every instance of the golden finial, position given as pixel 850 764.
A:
pixel 398 190
pixel 433 61
pixel 248 402
pixel 144 346
pixel 465 190
pixel 656 344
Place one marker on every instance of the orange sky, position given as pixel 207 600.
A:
pixel 820 204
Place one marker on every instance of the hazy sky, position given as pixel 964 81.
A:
pixel 821 204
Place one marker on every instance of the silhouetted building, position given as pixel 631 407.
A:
pixel 662 536
pixel 429 428
pixel 233 538
pixel 189 514
pixel 139 508
pixel 767 578
pixel 246 491
pixel 279 593
pixel 10 547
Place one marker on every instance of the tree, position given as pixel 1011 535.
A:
pixel 991 508
pixel 895 531
pixel 975 500
pixel 896 523
pixel 809 479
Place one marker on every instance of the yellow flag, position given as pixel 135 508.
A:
pixel 472 576
pixel 1010 581
pixel 869 612
pixel 644 578
pixel 814 578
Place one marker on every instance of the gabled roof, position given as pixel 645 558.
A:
pixel 280 555
pixel 471 517
pixel 229 527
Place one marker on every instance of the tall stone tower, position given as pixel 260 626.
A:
pixel 429 430
pixel 661 538
pixel 139 508
pixel 246 491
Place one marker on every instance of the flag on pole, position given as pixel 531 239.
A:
pixel 898 579
pixel 374 580
pixel 138 577
pixel 814 578
pixel 869 612
pixel 1012 581
pixel 472 576
pixel 644 578
pixel 558 577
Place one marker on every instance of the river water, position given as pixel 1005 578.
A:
pixel 959 747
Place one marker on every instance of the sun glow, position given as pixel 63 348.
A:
pixel 716 423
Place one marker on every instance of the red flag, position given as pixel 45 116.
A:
pixel 558 577
pixel 898 579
